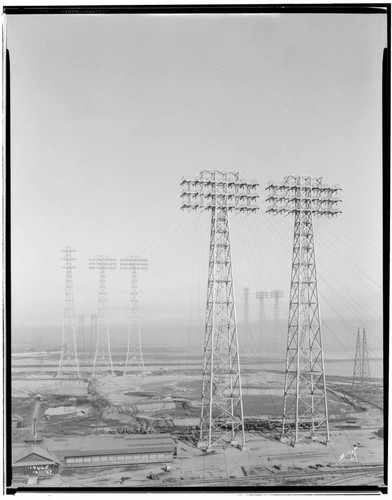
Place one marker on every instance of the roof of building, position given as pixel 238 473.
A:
pixel 110 445
pixel 31 454
pixel 16 416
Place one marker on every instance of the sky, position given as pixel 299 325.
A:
pixel 108 112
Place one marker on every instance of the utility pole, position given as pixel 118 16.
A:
pixel 69 362
pixel 361 364
pixel 103 357
pixel 222 417
pixel 305 411
pixel 134 349
pixel 34 427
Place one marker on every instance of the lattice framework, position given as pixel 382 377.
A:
pixel 246 297
pixel 305 410
pixel 361 365
pixel 69 362
pixel 261 296
pixel 103 357
pixel 134 356
pixel 220 192
pixel 276 295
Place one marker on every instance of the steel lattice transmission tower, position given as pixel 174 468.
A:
pixel 103 357
pixel 220 192
pixel 134 349
pixel 246 296
pixel 361 365
pixel 81 340
pixel 261 296
pixel 69 362
pixel 93 337
pixel 305 409
pixel 276 295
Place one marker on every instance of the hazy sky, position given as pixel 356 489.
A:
pixel 110 111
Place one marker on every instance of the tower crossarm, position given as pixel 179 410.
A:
pixel 213 189
pixel 134 262
pixel 68 257
pixel 303 194
pixel 276 294
pixel 103 262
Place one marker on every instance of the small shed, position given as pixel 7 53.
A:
pixel 16 421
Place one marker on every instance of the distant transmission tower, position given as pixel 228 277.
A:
pixel 276 295
pixel 69 362
pixel 361 365
pixel 103 357
pixel 246 296
pixel 305 400
pixel 134 350
pixel 81 340
pixel 246 305
pixel 261 296
pixel 93 337
pixel 221 400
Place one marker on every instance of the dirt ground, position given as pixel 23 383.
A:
pixel 355 417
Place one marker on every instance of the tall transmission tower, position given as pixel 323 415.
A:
pixel 222 415
pixel 361 364
pixel 103 357
pixel 276 295
pixel 69 362
pixel 134 349
pixel 305 410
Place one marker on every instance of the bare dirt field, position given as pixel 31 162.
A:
pixel 168 400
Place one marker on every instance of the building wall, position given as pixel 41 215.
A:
pixel 118 459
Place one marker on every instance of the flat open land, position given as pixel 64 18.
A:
pixel 167 399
